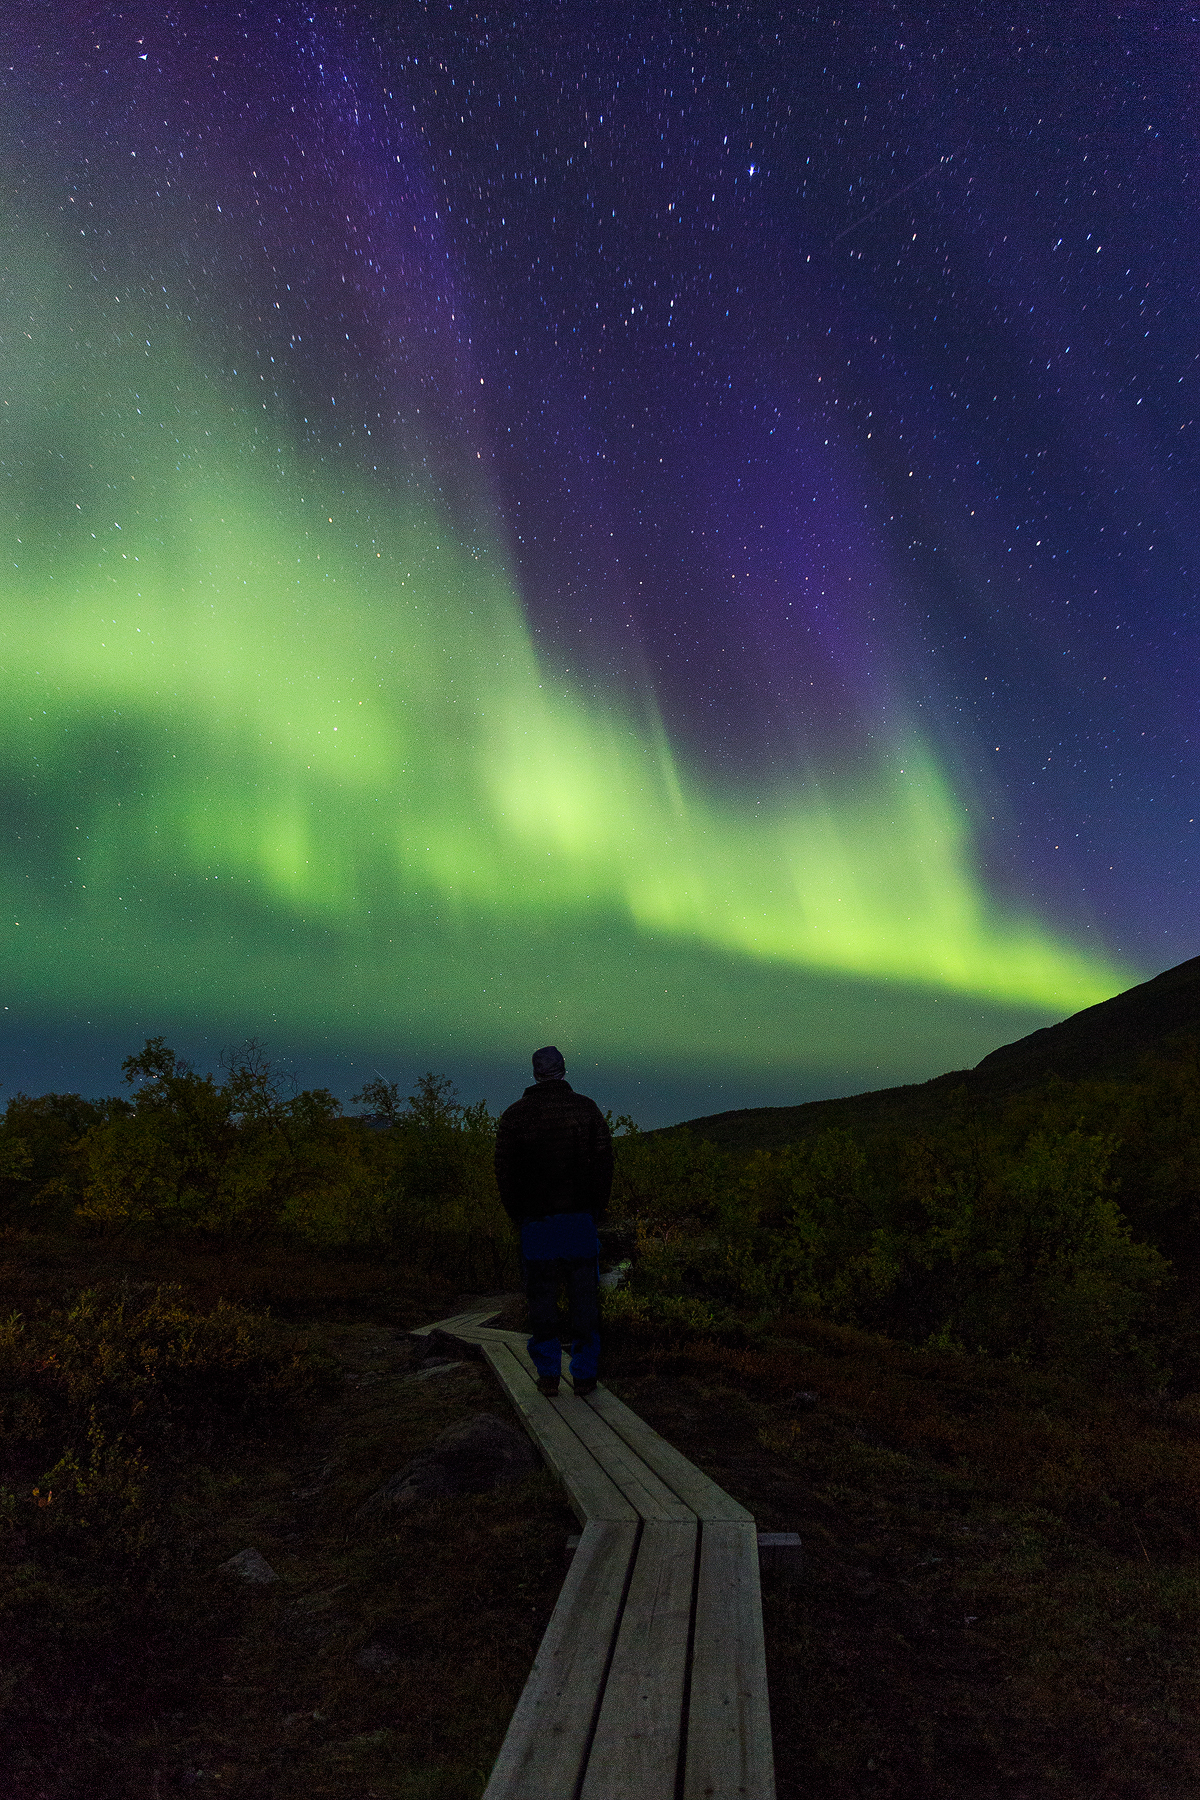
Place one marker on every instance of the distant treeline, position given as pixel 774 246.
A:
pixel 248 1156
pixel 1057 1227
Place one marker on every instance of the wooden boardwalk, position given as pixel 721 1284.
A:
pixel 651 1682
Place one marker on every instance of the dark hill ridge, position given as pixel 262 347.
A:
pixel 1107 1039
pixel 1103 1040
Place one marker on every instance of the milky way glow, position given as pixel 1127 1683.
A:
pixel 307 727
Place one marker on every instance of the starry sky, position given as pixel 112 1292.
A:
pixel 665 529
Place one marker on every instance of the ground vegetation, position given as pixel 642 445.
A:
pixel 956 1347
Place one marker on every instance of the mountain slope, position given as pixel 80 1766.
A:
pixel 1107 1039
pixel 1104 1040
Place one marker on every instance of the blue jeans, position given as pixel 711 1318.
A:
pixel 543 1277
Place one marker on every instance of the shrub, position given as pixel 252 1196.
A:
pixel 669 1318
pixel 436 1197
pixel 94 1397
pixel 996 1227
pixel 37 1141
pixel 669 1176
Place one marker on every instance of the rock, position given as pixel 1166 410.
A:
pixel 376 1657
pixel 435 1366
pixel 474 1457
pixel 440 1346
pixel 250 1565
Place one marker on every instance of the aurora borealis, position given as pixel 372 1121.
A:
pixel 466 587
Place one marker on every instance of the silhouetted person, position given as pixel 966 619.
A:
pixel 554 1168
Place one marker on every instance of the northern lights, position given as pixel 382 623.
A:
pixel 340 701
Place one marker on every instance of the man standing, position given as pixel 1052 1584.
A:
pixel 554 1168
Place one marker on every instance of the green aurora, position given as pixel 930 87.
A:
pixel 278 748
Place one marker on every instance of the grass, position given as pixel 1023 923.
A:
pixel 998 1598
pixel 1001 1590
pixel 136 1668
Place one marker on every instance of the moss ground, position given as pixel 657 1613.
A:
pixel 998 1597
pixel 184 1679
pixel 1000 1593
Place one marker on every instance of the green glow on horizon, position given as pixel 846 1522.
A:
pixel 234 681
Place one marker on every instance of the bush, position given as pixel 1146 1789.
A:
pixel 37 1142
pixel 997 1227
pixel 668 1177
pixel 813 1201
pixel 438 1198
pixel 96 1399
pixel 666 1318
pixel 243 1157
pixel 980 1235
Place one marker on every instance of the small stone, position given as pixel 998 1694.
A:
pixel 250 1565
pixel 440 1344
pixel 375 1657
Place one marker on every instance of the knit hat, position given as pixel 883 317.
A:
pixel 548 1064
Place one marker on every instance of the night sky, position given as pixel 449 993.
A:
pixel 667 530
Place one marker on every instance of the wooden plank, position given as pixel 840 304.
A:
pixel 542 1755
pixel 517 1342
pixel 651 1497
pixel 692 1485
pixel 489 1333
pixel 592 1493
pixel 474 1338
pixel 728 1753
pixel 458 1324
pixel 635 1752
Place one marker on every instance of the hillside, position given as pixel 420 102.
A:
pixel 1104 1040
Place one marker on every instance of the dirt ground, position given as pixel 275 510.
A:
pixel 998 1598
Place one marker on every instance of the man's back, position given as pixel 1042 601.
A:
pixel 553 1153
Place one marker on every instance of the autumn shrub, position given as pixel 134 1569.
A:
pixel 812 1203
pixel 438 1203
pixel 1021 1228
pixel 649 1317
pixel 1022 1252
pixel 244 1157
pixel 38 1138
pixel 695 1263
pixel 173 1158
pixel 983 1235
pixel 99 1399
pixel 664 1178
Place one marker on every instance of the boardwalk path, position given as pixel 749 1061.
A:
pixel 650 1683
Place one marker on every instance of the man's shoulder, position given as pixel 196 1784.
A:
pixel 582 1105
pixel 529 1102
pixel 514 1111
pixel 549 1096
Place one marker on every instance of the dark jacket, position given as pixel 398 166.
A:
pixel 553 1154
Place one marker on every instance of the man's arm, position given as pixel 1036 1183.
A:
pixel 506 1166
